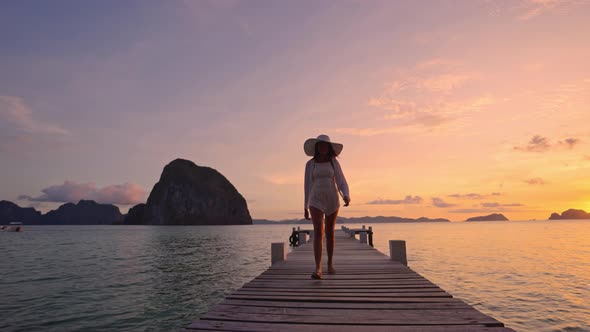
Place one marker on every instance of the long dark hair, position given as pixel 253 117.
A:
pixel 331 152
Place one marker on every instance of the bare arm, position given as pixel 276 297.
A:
pixel 307 185
pixel 341 179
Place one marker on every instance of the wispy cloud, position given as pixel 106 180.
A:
pixel 535 181
pixel 540 143
pixel 281 179
pixel 537 144
pixel 473 211
pixel 524 10
pixel 423 97
pixel 474 195
pixel 368 131
pixel 445 82
pixel 569 142
pixel 410 118
pixel 496 204
pixel 407 200
pixel 17 123
pixel 534 8
pixel 440 203
pixel 72 191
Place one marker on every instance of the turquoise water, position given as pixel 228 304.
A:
pixel 533 276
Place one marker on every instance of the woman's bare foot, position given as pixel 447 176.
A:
pixel 331 269
pixel 316 275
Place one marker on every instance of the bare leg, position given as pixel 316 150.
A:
pixel 317 217
pixel 330 226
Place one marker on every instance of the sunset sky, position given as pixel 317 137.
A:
pixel 447 109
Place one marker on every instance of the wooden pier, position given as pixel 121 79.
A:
pixel 369 292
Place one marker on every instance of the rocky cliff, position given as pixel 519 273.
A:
pixel 10 212
pixel 85 212
pixel 570 214
pixel 135 215
pixel 188 194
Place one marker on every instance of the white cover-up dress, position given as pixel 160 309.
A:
pixel 322 186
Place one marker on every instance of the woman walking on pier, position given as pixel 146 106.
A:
pixel 324 181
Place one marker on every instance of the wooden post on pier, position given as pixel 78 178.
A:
pixel 363 236
pixel 302 238
pixel 397 251
pixel 278 252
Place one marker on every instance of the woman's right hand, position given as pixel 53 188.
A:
pixel 307 217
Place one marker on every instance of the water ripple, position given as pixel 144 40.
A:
pixel 529 275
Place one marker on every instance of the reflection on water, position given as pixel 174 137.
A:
pixel 533 276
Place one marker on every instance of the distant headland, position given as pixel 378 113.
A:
pixel 85 212
pixel 570 214
pixel 353 220
pixel 489 217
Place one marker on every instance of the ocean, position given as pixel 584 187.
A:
pixel 531 275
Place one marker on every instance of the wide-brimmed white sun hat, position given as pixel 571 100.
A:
pixel 309 145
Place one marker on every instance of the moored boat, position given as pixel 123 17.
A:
pixel 12 227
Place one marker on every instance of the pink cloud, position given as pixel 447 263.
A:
pixel 534 8
pixel 474 195
pixel 537 144
pixel 569 142
pixel 540 144
pixel 444 82
pixel 439 202
pixel 72 191
pixel 409 199
pixel 496 204
pixel 15 113
pixel 534 181
pixel 18 125
pixel 423 96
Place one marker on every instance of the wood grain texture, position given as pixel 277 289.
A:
pixel 369 292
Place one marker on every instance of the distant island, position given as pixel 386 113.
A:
pixel 85 212
pixel 186 194
pixel 490 217
pixel 352 220
pixel 570 214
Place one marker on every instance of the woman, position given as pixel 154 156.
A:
pixel 323 181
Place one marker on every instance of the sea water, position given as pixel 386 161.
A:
pixel 531 275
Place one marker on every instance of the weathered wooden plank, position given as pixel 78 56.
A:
pixel 383 293
pixel 322 288
pixel 344 277
pixel 336 291
pixel 400 298
pixel 336 281
pixel 212 325
pixel 305 273
pixel 339 283
pixel 449 303
pixel 354 317
pixel 369 292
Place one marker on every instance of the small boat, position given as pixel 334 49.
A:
pixel 13 227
